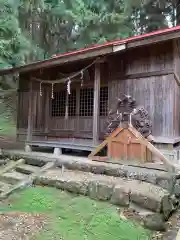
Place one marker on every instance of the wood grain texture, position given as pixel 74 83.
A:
pixel 176 109
pixel 155 94
pixel 146 73
pixel 30 113
pixel 97 83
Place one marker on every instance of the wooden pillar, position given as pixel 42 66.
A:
pixel 77 130
pixel 17 110
pixel 96 104
pixel 30 122
pixel 47 111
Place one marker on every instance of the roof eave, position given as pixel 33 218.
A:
pixel 59 60
pixel 97 51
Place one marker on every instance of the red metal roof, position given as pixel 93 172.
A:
pixel 120 41
pixel 54 58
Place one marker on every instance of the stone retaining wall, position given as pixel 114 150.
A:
pixel 118 191
pixel 156 190
pixel 161 178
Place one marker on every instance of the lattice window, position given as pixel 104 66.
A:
pixel 103 101
pixel 86 102
pixel 59 104
pixel 72 104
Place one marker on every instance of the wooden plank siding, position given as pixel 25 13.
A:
pixel 176 86
pixel 57 126
pixel 155 93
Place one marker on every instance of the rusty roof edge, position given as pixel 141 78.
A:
pixel 63 58
pixel 55 61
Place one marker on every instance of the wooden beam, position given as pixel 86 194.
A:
pixel 96 103
pixel 119 47
pixel 56 61
pixel 177 79
pixel 77 130
pixel 149 74
pixel 153 39
pixel 104 143
pixel 29 130
pixel 154 150
pixel 17 110
pixel 47 110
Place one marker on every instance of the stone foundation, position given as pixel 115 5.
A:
pixel 154 189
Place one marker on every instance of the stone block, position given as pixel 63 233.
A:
pixel 100 190
pixel 167 207
pixel 75 187
pixel 177 190
pixel 155 222
pixel 57 152
pixel 28 148
pixel 147 195
pixel 120 196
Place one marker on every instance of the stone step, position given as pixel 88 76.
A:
pixel 12 177
pixel 117 190
pixel 150 172
pixel 151 220
pixel 27 169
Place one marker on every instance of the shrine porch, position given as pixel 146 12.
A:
pixel 64 143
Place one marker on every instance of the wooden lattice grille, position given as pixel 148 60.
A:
pixel 58 107
pixel 59 104
pixel 87 101
pixel 103 101
pixel 72 104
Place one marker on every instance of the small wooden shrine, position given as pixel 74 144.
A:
pixel 121 142
pixel 129 136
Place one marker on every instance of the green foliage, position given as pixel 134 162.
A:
pixel 68 25
pixel 151 15
pixel 36 29
pixel 13 44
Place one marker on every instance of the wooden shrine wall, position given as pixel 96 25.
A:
pixel 45 125
pixel 150 80
pixel 176 110
pixel 146 73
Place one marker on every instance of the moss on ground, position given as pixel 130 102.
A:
pixel 7 126
pixel 73 217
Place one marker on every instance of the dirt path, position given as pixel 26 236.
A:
pixel 20 226
pixel 10 143
pixel 174 226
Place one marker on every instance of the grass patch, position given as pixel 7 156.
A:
pixel 7 127
pixel 73 217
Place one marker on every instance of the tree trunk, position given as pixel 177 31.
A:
pixel 177 12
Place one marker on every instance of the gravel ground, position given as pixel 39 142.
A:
pixel 20 226
pixel 173 225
